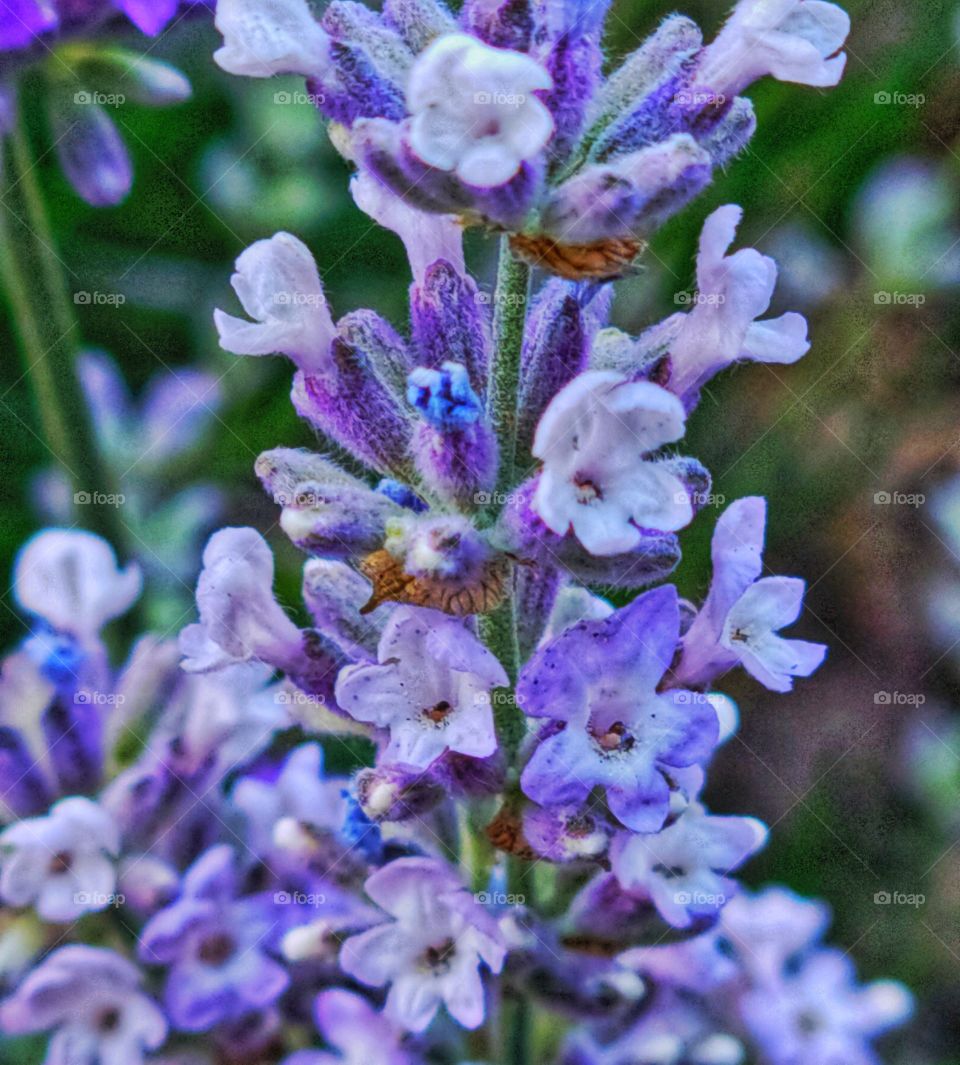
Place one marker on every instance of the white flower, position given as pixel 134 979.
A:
pixel 60 862
pixel 732 291
pixel 71 579
pixel 750 633
pixel 594 439
pixel 426 237
pixel 278 284
pixel 265 37
pixel 474 111
pixel 239 617
pixel 793 40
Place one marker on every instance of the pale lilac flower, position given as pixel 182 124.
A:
pixel 300 794
pixel 360 1034
pixel 599 679
pixel 71 579
pixel 63 863
pixel 792 40
pixel 431 688
pixel 426 238
pixel 240 619
pixel 739 621
pixel 91 999
pixel 770 929
pixel 594 440
pixel 265 37
pixel 474 109
pixel 732 292
pixel 821 1016
pixel 431 953
pixel 215 946
pixel 279 286
pixel 684 868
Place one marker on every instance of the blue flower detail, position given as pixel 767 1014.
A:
pixel 444 397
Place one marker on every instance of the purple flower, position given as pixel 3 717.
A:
pixel 71 579
pixel 431 953
pixel 430 688
pixel 278 284
pixel 683 868
pixel 821 1015
pixel 733 291
pixel 22 21
pixel 63 864
pixel 597 682
pixel 739 621
pixel 91 999
pixel 360 1035
pixel 792 40
pixel 593 440
pixel 214 945
pixel 299 796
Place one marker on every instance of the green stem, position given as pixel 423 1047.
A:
pixel 48 334
pixel 510 315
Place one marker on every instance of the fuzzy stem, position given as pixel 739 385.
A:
pixel 510 315
pixel 47 331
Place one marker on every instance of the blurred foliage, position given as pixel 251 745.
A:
pixel 873 408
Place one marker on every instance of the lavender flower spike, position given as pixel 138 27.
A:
pixel 265 37
pixel 278 285
pixel 431 689
pixel 739 620
pixel 597 682
pixel 91 998
pixel 431 953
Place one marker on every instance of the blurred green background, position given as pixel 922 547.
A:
pixel 855 192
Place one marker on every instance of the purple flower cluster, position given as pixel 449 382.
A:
pixel 505 728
